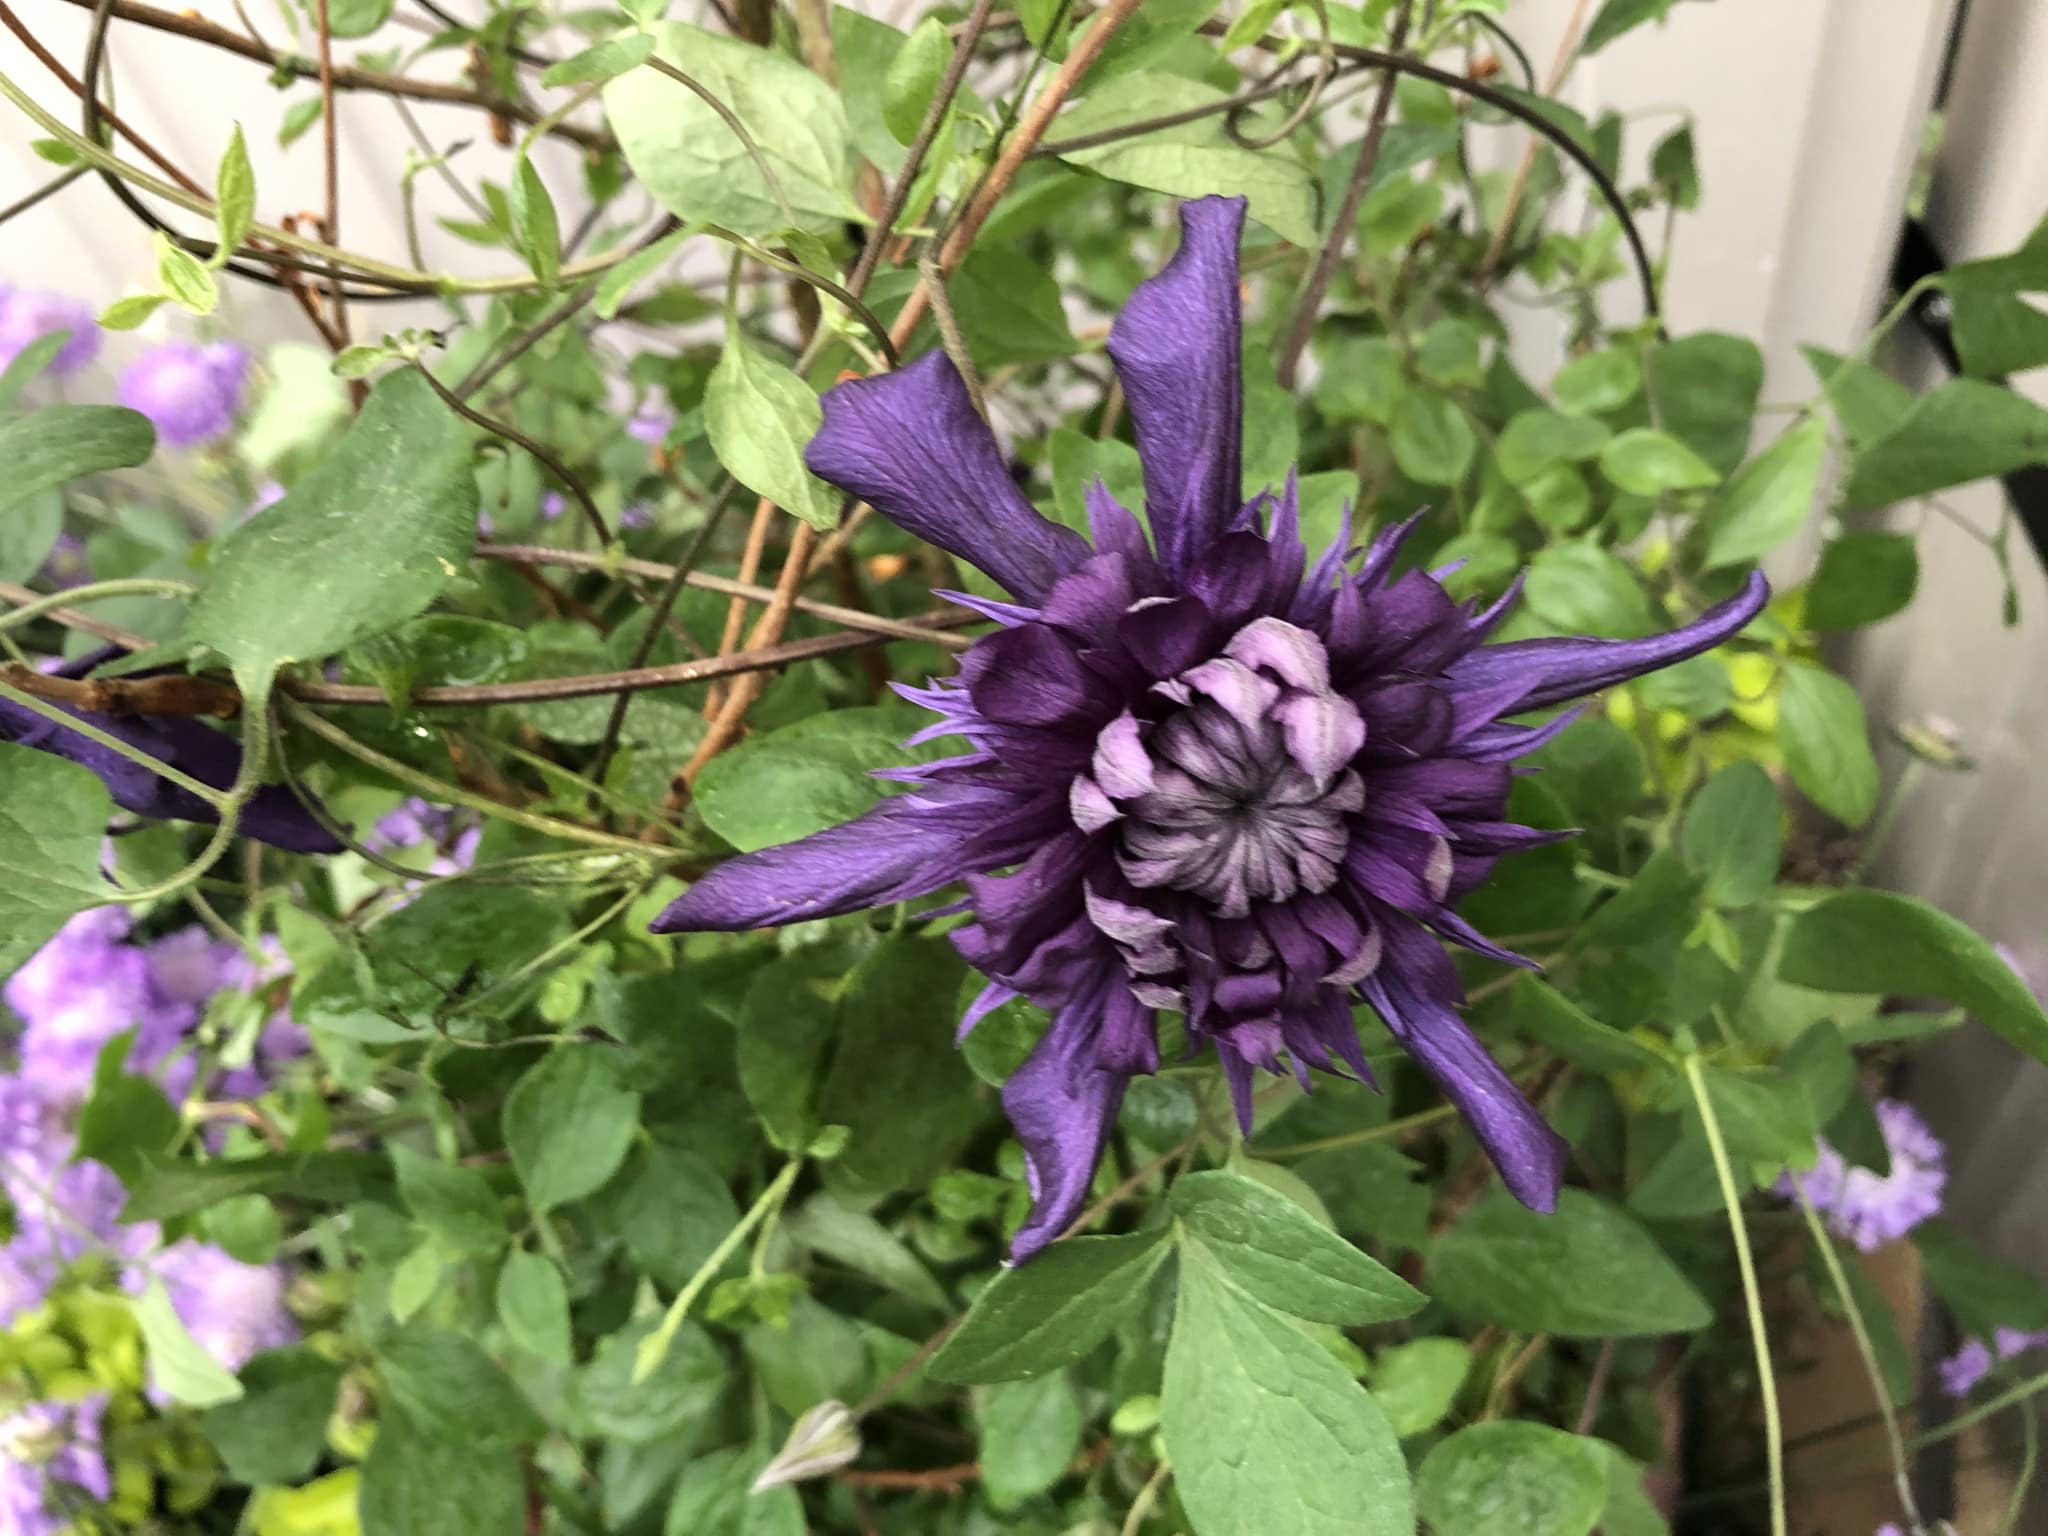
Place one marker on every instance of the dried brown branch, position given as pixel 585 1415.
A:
pixel 345 77
pixel 172 693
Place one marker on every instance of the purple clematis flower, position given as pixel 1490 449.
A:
pixel 1204 775
pixel 189 393
pixel 273 814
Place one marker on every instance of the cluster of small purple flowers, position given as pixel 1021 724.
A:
pixel 1961 1371
pixel 189 391
pixel 1870 1209
pixel 452 835
pixel 79 993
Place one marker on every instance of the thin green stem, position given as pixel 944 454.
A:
pixel 1894 1437
pixel 127 586
pixel 654 1348
pixel 1752 1296
pixel 452 794
pixel 548 956
pixel 1399 1127
pixel 2025 1481
pixel 1141 1506
pixel 112 743
pixel 255 748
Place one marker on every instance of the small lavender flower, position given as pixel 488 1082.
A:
pixel 44 1444
pixel 273 814
pixel 233 1310
pixel 1231 784
pixel 2008 1342
pixel 66 565
pixel 1961 1371
pixel 415 822
pixel 651 424
pixel 552 506
pixel 26 316
pixel 1869 1210
pixel 190 393
pixel 635 515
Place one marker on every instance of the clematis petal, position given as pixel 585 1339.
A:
pixel 1062 1105
pixel 892 853
pixel 1175 347
pixel 910 444
pixel 1528 1153
pixel 1568 668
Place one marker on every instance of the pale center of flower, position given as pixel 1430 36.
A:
pixel 1241 793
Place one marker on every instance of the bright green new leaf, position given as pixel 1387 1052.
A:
pixel 1878 941
pixel 601 61
pixel 1645 462
pixel 1274 1251
pixel 1583 589
pixel 234 196
pixel 1506 1264
pixel 1266 1431
pixel 913 77
pixel 1827 743
pixel 1598 382
pixel 1416 1383
pixel 1512 1478
pixel 1769 498
pixel 1192 159
pixel 364 541
pixel 1049 1313
pixel 184 277
pixel 760 416
pixel 59 443
pixel 690 161
pixel 179 1366
pixel 534 225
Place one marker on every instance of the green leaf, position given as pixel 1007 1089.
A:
pixel 1512 1478
pixel 787 784
pixel 1598 382
pixel 1554 1021
pixel 352 18
pixel 1029 1432
pixel 1995 314
pixel 535 229
pixel 1010 309
pixel 601 61
pixel 786 1027
pixel 896 1083
pixel 1862 578
pixel 168 1190
pixel 620 280
pixel 415 1481
pixel 670 1206
pixel 234 196
pixel 1266 1431
pixel 1768 500
pixel 1278 1254
pixel 1706 389
pixel 693 164
pixel 671 1404
pixel 760 416
pixel 1396 213
pixel 454 1204
pixel 1646 462
pixel 1867 401
pixel 1191 159
pixel 1448 355
pixel 863 1244
pixel 1506 1264
pixel 178 1366
pixel 1879 942
pixel 1615 18
pixel 364 541
pixel 533 1307
pixel 52 826
pixel 454 1392
pixel 1534 440
pixel 1629 1510
pixel 127 1120
pixel 1360 379
pixel 1674 168
pixel 1582 589
pixel 1734 835
pixel 1045 1315
pixel 712 1498
pixel 185 277
pixel 913 77
pixel 1960 431
pixel 569 1123
pixel 1416 1383
pixel 276 1431
pixel 60 443
pixel 1827 744
pixel 1431 439
pixel 125 314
